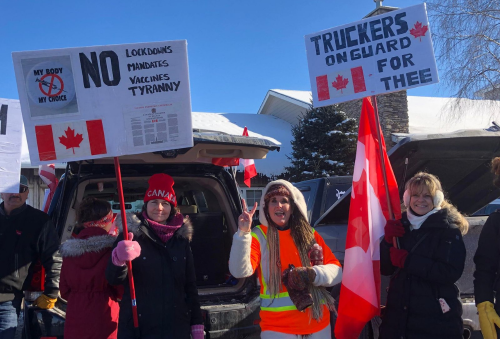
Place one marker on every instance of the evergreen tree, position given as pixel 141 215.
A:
pixel 324 144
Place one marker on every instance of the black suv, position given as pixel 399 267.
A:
pixel 207 193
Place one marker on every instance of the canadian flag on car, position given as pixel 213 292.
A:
pixel 70 139
pixel 340 83
pixel 368 213
pixel 48 175
pixel 250 170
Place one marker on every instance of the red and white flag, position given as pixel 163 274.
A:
pixel 368 213
pixel 250 170
pixel 70 140
pixel 48 175
pixel 340 83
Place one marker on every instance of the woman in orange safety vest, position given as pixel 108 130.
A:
pixel 293 265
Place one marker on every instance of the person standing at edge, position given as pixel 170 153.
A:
pixel 26 235
pixel 91 299
pixel 285 237
pixel 162 263
pixel 423 300
pixel 486 275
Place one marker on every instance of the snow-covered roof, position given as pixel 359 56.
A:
pixel 258 125
pixel 286 105
pixel 431 114
pixel 262 126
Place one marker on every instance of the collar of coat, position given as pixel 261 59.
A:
pixel 134 222
pixel 15 211
pixel 78 247
pixel 444 218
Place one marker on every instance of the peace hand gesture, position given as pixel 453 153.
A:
pixel 245 219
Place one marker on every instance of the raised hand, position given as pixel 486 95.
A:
pixel 245 219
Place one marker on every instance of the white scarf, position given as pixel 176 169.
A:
pixel 417 221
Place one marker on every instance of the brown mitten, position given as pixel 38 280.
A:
pixel 301 278
pixel 316 255
pixel 302 299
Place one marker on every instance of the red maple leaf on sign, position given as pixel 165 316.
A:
pixel 340 82
pixel 419 31
pixel 71 140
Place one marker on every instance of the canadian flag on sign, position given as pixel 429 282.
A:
pixel 341 83
pixel 368 213
pixel 70 140
pixel 250 170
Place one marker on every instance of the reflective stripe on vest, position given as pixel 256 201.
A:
pixel 280 302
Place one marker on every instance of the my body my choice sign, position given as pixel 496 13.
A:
pixel 93 102
pixel 380 54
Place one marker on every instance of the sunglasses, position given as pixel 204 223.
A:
pixel 22 189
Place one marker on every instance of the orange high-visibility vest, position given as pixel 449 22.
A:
pixel 279 314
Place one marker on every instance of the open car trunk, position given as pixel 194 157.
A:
pixel 206 192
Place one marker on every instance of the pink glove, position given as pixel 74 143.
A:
pixel 126 250
pixel 316 255
pixel 197 331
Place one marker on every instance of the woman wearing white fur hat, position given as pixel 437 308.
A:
pixel 293 265
pixel 423 301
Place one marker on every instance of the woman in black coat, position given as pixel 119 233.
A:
pixel 163 268
pixel 486 276
pixel 423 300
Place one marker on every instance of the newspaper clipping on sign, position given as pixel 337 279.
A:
pixel 11 129
pixel 103 101
pixel 381 54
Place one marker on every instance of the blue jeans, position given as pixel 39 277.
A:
pixel 9 311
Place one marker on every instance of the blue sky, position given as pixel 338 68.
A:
pixel 237 50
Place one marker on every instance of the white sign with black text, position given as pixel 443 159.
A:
pixel 102 101
pixel 380 54
pixel 11 131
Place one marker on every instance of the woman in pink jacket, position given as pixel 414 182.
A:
pixel 92 310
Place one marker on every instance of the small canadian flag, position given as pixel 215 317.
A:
pixel 70 140
pixel 250 170
pixel 340 83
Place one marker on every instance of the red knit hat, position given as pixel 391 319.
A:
pixel 161 186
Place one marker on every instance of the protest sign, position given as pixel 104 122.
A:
pixel 11 127
pixel 103 101
pixel 381 54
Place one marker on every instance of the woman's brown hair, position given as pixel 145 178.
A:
pixel 91 209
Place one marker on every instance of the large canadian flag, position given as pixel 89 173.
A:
pixel 250 170
pixel 360 292
pixel 68 140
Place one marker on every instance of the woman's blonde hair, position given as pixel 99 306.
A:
pixel 421 180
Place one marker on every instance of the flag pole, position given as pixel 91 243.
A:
pixel 395 241
pixel 125 237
